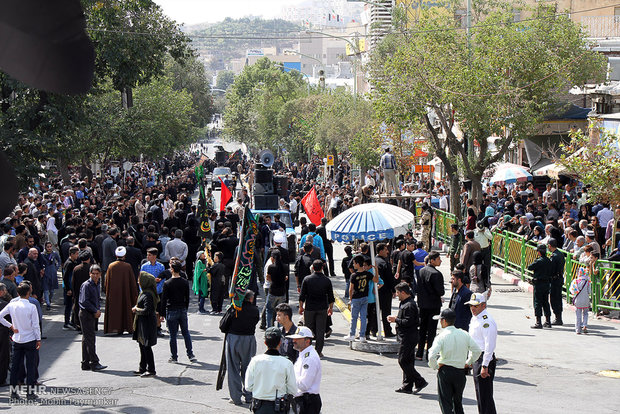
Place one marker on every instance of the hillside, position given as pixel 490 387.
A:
pixel 235 33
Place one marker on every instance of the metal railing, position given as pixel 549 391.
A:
pixel 514 254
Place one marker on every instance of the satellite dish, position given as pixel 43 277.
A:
pixel 266 158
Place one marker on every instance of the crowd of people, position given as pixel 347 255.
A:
pixel 135 241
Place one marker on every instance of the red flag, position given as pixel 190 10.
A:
pixel 313 207
pixel 225 195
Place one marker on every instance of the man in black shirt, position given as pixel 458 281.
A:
pixel 406 269
pixel 385 293
pixel 218 283
pixel 407 331
pixel 67 277
pixel 284 316
pixel 399 246
pixel 174 304
pixel 430 291
pixel 346 270
pixel 303 265
pixel 316 301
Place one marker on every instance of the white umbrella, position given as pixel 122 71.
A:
pixel 370 222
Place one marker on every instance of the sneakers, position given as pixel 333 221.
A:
pixel 537 325
pixel 363 340
pixel 349 338
pixel 404 390
pixel 68 327
pixel 419 388
pixel 584 330
pixel 192 358
pixel 547 324
pixel 147 374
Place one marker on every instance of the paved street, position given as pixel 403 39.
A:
pixel 554 369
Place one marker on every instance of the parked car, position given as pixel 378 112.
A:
pixel 222 172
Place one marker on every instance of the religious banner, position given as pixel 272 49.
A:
pixel 245 259
pixel 312 207
pixel 204 229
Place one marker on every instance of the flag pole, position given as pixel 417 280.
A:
pixel 376 291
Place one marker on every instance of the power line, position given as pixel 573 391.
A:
pixel 272 35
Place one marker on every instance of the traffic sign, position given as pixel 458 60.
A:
pixel 424 168
pixel 330 160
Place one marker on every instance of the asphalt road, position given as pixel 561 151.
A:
pixel 547 371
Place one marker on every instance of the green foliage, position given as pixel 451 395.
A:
pixel 254 101
pixel 225 78
pixel 124 53
pixel 504 75
pixel 190 75
pixel 596 162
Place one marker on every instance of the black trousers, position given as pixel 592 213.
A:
pixel 5 353
pixel 484 386
pixel 68 301
pixel 541 299
pixel 218 290
pixel 385 305
pixel 329 252
pixel 371 319
pixel 556 296
pixel 147 361
pixel 450 386
pixel 88 323
pixel 75 314
pixel 316 321
pixel 406 360
pixel 428 329
pixel 308 404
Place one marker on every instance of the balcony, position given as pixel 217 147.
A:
pixel 601 27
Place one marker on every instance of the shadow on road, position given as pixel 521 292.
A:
pixel 351 361
pixel 514 381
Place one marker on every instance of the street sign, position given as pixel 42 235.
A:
pixel 330 160
pixel 127 166
pixel 424 168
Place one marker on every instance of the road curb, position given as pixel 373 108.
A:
pixel 344 309
pixel 525 286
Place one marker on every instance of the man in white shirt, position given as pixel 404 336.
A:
pixel 26 337
pixel 443 201
pixel 270 376
pixel 307 373
pixel 483 330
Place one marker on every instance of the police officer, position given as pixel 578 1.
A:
pixel 483 330
pixel 541 280
pixel 426 222
pixel 270 377
pixel 307 373
pixel 557 280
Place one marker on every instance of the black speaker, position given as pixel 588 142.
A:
pixel 263 176
pixel 263 188
pixel 266 202
pixel 280 185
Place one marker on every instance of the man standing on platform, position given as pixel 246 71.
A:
pixel 388 163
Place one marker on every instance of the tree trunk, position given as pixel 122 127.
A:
pixel 455 200
pixel 63 167
pixel 476 190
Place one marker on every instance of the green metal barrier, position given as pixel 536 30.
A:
pixel 514 254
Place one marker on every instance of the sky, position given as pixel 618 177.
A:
pixel 198 11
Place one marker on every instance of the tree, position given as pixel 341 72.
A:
pixel 254 101
pixel 498 81
pixel 190 75
pixel 225 78
pixel 596 161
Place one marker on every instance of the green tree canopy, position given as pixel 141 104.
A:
pixel 498 81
